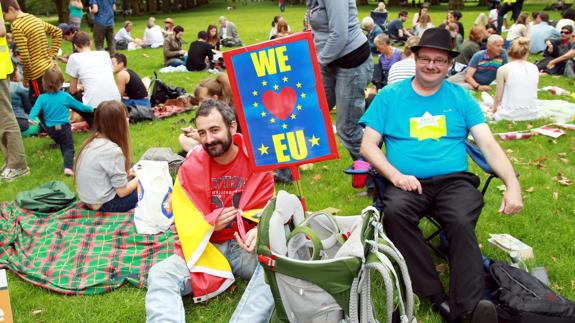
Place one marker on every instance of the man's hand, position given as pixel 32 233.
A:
pixel 192 133
pixel 227 216
pixel 512 201
pixel 31 122
pixel 407 183
pixel 551 65
pixel 484 88
pixel 251 238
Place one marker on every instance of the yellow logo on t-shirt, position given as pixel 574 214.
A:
pixel 427 127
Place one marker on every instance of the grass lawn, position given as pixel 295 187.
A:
pixel 547 222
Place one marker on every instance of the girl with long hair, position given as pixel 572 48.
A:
pixel 104 180
pixel 213 37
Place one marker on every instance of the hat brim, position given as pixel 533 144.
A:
pixel 451 53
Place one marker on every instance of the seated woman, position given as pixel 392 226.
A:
pixel 556 48
pixel 469 47
pixel 389 56
pixel 104 180
pixel 423 24
pixel 423 10
pixel 274 30
pixel 519 29
pixel 516 94
pixel 217 89
pixel 380 14
pixel 282 29
pixel 213 37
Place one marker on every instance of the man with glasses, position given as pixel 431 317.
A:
pixel 567 60
pixel 424 122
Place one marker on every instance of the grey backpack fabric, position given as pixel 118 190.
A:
pixel 164 154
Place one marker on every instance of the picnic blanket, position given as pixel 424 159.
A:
pixel 77 251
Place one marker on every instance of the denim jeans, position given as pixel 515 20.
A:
pixel 62 135
pixel 169 280
pixel 143 102
pixel 344 88
pixel 121 204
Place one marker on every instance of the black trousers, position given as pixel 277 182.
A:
pixel 515 9
pixel 454 201
pixel 62 135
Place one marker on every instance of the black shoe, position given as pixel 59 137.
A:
pixel 443 310
pixel 484 312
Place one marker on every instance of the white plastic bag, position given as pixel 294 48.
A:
pixel 153 212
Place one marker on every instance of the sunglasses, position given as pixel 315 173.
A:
pixel 565 32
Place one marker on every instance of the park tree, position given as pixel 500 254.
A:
pixel 455 5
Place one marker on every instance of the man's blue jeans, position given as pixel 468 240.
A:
pixel 169 280
pixel 345 89
pixel 143 102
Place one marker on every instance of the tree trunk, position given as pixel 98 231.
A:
pixel 435 2
pixel 151 4
pixel 361 2
pixel 455 5
pixel 62 9
pixel 394 3
pixel 483 3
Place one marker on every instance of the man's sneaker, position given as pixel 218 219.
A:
pixel 10 174
pixel 68 172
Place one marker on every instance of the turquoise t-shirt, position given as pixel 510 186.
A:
pixel 424 136
pixel 75 12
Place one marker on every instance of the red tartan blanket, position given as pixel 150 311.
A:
pixel 78 251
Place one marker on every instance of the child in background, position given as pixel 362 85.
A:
pixel 55 106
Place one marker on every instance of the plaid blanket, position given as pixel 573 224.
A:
pixel 77 251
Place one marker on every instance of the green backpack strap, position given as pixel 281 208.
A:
pixel 309 233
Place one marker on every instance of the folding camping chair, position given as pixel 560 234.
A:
pixel 379 185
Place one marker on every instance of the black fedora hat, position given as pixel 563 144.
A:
pixel 438 38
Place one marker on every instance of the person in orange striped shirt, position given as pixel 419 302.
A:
pixel 31 37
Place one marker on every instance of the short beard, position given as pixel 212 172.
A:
pixel 224 144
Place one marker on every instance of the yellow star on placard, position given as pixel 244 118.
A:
pixel 314 141
pixel 285 79
pixel 303 95
pixel 292 116
pixel 255 104
pixel 263 150
pixel 284 126
pixel 255 93
pixel 299 107
pixel 298 85
pixel 276 87
pixel 263 114
pixel 264 83
pixel 272 120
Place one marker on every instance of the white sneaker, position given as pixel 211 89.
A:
pixel 10 174
pixel 213 71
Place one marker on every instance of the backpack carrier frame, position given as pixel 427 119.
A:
pixel 319 267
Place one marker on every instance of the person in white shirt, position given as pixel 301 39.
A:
pixel 406 67
pixel 124 37
pixel 516 94
pixel 93 69
pixel 153 36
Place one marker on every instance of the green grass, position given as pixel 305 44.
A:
pixel 547 224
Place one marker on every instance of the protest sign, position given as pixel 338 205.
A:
pixel 280 101
pixel 5 309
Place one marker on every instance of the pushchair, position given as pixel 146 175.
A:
pixel 319 267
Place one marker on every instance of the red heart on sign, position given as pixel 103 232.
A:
pixel 280 105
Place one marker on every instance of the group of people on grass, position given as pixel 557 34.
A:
pixel 422 117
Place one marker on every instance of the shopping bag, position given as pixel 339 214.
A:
pixel 153 213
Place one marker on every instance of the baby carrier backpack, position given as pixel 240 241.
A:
pixel 319 267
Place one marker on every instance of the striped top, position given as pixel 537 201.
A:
pixel 30 34
pixel 401 70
